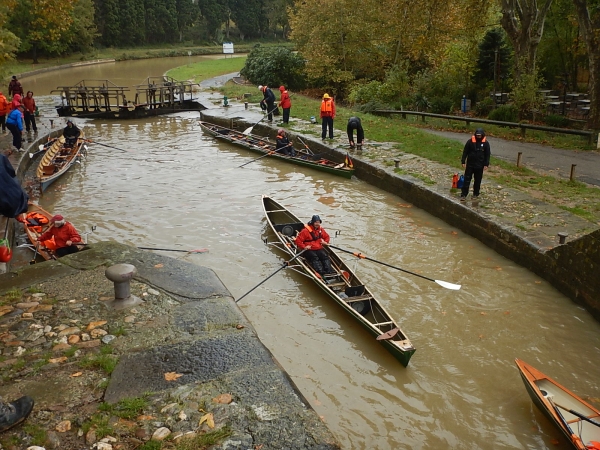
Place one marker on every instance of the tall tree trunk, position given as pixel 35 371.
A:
pixel 34 51
pixel 523 22
pixel 589 24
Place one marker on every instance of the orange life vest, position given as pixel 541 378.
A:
pixel 327 107
pixel 475 140
pixel 33 218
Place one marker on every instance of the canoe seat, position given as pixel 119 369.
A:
pixel 358 298
pixel 49 170
pixel 289 229
pixel 382 324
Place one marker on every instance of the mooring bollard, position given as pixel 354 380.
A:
pixel 519 159
pixel 572 177
pixel 245 105
pixel 562 237
pixel 121 275
pixel 397 163
pixel 51 123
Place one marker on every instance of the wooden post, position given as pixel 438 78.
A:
pixel 523 130
pixel 404 115
pixel 423 118
pixel 519 159
pixel 572 177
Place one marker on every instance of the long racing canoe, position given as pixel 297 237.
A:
pixel 575 418
pixel 344 287
pixel 58 159
pixel 259 144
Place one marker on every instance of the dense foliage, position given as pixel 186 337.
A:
pixel 275 67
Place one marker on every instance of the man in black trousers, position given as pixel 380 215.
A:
pixel 475 159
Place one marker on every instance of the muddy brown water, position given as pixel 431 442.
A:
pixel 177 188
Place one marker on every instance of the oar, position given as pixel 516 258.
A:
pixel 256 159
pixel 42 148
pixel 35 253
pixel 285 264
pixel 575 413
pixel 444 284
pixel 199 250
pixel 104 145
pixel 310 152
pixel 249 129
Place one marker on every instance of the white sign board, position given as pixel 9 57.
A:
pixel 227 47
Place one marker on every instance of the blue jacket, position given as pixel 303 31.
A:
pixel 15 118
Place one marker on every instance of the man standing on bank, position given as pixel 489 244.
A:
pixel 30 106
pixel 475 159
pixel 268 100
pixel 327 116
pixel 354 124
pixel 285 103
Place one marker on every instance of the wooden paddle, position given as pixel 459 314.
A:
pixel 445 284
pixel 256 159
pixel 388 335
pixel 249 129
pixel 575 413
pixel 199 250
pixel 104 145
pixel 285 264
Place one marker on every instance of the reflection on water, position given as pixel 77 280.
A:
pixel 176 188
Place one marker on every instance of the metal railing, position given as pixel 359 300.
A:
pixel 523 126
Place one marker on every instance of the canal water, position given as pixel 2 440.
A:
pixel 177 188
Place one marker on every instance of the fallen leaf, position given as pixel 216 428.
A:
pixel 317 402
pixel 57 360
pixel 97 324
pixel 507 312
pixel 158 266
pixel 443 313
pixel 538 282
pixel 144 417
pixel 455 233
pixel 239 327
pixel 172 376
pixel 209 419
pixel 481 336
pixel 223 398
pixel 258 447
pixel 483 313
pixel 76 374
pixel 555 442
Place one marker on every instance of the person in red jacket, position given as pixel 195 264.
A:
pixel 65 236
pixel 311 239
pixel 14 87
pixel 285 103
pixel 327 116
pixel 29 104
pixel 3 111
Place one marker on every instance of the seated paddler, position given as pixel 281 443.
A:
pixel 312 238
pixel 284 146
pixel 65 237
pixel 71 133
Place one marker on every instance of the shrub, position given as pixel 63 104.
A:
pixel 484 107
pixel 442 105
pixel 555 120
pixel 275 66
pixel 505 113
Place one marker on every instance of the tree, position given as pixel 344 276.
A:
pixel 9 42
pixel 82 33
pixel 187 13
pixel 588 12
pixel 494 58
pixel 249 17
pixel 215 13
pixel 42 24
pixel 523 21
pixel 274 66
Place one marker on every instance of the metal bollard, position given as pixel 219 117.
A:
pixel 562 237
pixel 51 123
pixel 245 105
pixel 397 163
pixel 519 159
pixel 121 275
pixel 572 177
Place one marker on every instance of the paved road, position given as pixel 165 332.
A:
pixel 541 158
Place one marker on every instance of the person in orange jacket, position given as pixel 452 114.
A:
pixel 327 116
pixel 311 239
pixel 65 236
pixel 3 111
pixel 29 104
pixel 285 103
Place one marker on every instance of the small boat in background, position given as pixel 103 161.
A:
pixel 58 159
pixel 343 286
pixel 262 145
pixel 578 420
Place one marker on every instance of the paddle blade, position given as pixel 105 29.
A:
pixel 388 335
pixel 247 131
pixel 30 155
pixel 41 147
pixel 445 284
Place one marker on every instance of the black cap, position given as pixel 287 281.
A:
pixel 480 131
pixel 314 219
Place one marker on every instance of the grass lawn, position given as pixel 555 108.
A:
pixel 204 70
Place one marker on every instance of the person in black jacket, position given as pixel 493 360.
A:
pixel 71 133
pixel 475 159
pixel 268 101
pixel 354 124
pixel 13 199
pixel 284 146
